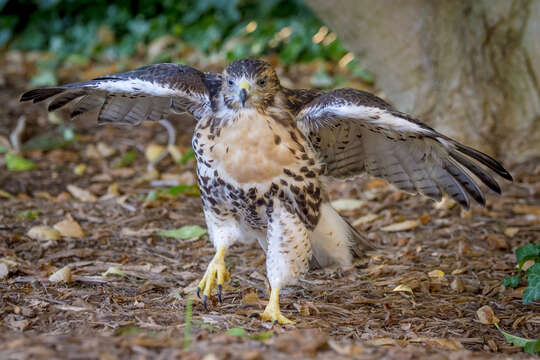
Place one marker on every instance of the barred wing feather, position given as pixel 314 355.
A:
pixel 149 93
pixel 355 132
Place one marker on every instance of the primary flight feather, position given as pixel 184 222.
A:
pixel 265 152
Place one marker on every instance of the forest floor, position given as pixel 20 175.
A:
pixel 448 263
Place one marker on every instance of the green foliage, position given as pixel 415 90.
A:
pixel 28 214
pixel 127 159
pixel 524 254
pixel 239 332
pixel 190 154
pixel 18 163
pixel 56 139
pixel 529 346
pixel 185 232
pixel 187 326
pixel 77 31
pixel 532 292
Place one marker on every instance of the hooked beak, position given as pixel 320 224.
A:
pixel 243 91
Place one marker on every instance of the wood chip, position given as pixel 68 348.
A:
pixel 401 226
pixel 348 204
pixel 365 219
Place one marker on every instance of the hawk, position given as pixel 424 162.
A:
pixel 265 154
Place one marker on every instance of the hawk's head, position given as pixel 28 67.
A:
pixel 249 83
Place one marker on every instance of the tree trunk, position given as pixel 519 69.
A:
pixel 471 69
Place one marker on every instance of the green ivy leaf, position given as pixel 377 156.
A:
pixel 527 252
pixel 532 292
pixel 512 281
pixel 530 346
pixel 18 163
pixel 185 232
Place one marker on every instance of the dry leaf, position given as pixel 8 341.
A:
pixel 81 194
pixel 402 226
pixel 348 204
pixel 112 190
pixel 436 274
pixel 403 288
pixel 445 204
pixel 91 152
pixel 79 169
pixel 486 316
pixel 424 219
pixel 62 275
pixel 113 270
pixel 496 241
pixel 511 231
pixel 250 298
pixel 4 271
pixel 44 233
pixel 175 152
pixel 69 228
pixel 153 151
pixel 365 219
pixel 527 264
pixel 457 285
pixel 448 344
pixel 105 150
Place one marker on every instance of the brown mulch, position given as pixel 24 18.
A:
pixel 339 313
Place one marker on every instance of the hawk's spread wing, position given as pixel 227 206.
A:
pixel 149 93
pixel 355 131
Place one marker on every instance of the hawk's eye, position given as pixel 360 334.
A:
pixel 262 81
pixel 231 82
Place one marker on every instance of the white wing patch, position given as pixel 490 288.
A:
pixel 379 117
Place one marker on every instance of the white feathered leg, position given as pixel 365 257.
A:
pixel 288 255
pixel 223 232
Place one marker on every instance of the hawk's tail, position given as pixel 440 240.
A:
pixel 334 238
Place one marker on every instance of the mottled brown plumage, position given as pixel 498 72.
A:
pixel 265 152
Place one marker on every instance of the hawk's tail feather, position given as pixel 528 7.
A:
pixel 360 243
pixel 334 238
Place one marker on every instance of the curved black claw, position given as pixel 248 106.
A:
pixel 198 292
pixel 219 287
pixel 205 298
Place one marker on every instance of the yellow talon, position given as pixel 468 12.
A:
pixel 215 268
pixel 272 312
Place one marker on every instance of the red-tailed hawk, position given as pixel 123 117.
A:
pixel 265 152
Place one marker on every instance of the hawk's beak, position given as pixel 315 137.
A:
pixel 243 91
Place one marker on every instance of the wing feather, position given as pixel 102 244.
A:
pixel 354 131
pixel 149 93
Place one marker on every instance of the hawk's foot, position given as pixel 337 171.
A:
pixel 272 312
pixel 216 269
